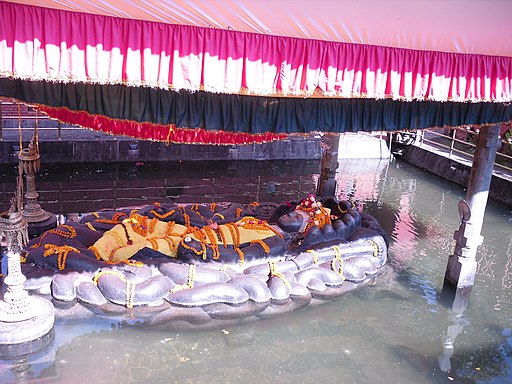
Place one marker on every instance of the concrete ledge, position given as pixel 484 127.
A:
pixel 361 146
pixel 455 170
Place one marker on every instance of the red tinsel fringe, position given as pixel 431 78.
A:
pixel 156 132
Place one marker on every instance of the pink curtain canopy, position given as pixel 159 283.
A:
pixel 286 48
pixel 457 26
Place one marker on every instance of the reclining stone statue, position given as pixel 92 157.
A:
pixel 204 255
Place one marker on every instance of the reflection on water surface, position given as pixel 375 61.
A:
pixel 390 332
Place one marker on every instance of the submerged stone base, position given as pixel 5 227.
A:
pixel 174 317
pixel 28 336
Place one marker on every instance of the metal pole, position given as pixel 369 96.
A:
pixel 461 268
pixel 452 145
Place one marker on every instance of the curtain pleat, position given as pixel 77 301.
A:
pixel 47 44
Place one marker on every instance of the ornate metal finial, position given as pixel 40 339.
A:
pixel 15 306
pixel 29 158
pixel 30 164
pixel 13 228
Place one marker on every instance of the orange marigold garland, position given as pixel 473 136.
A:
pixel 235 234
pixel 61 251
pixel 318 215
pixel 222 237
pixel 95 251
pixel 241 256
pixel 163 216
pixel 213 241
pixel 252 223
pixel 262 244
pixel 198 252
pixel 154 243
pixel 152 225
pixel 139 224
pixel 57 231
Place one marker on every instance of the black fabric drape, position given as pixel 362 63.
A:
pixel 252 114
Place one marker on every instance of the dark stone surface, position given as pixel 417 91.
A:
pixel 110 149
pixel 37 228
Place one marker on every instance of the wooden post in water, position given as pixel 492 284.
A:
pixel 461 268
pixel 329 166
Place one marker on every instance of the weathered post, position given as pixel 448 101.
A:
pixel 461 268
pixel 329 165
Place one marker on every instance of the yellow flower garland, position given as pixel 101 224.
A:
pixel 315 255
pixel 190 281
pixel 275 273
pixel 337 257
pixel 375 247
pixel 130 286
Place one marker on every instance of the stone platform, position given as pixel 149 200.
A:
pixel 29 336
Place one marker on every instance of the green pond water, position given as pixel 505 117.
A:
pixel 398 330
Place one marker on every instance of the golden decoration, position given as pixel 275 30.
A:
pixel 375 247
pixel 130 286
pixel 315 255
pixel 190 281
pixel 337 257
pixel 279 275
pixel 89 225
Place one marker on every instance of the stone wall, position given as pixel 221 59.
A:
pixel 500 189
